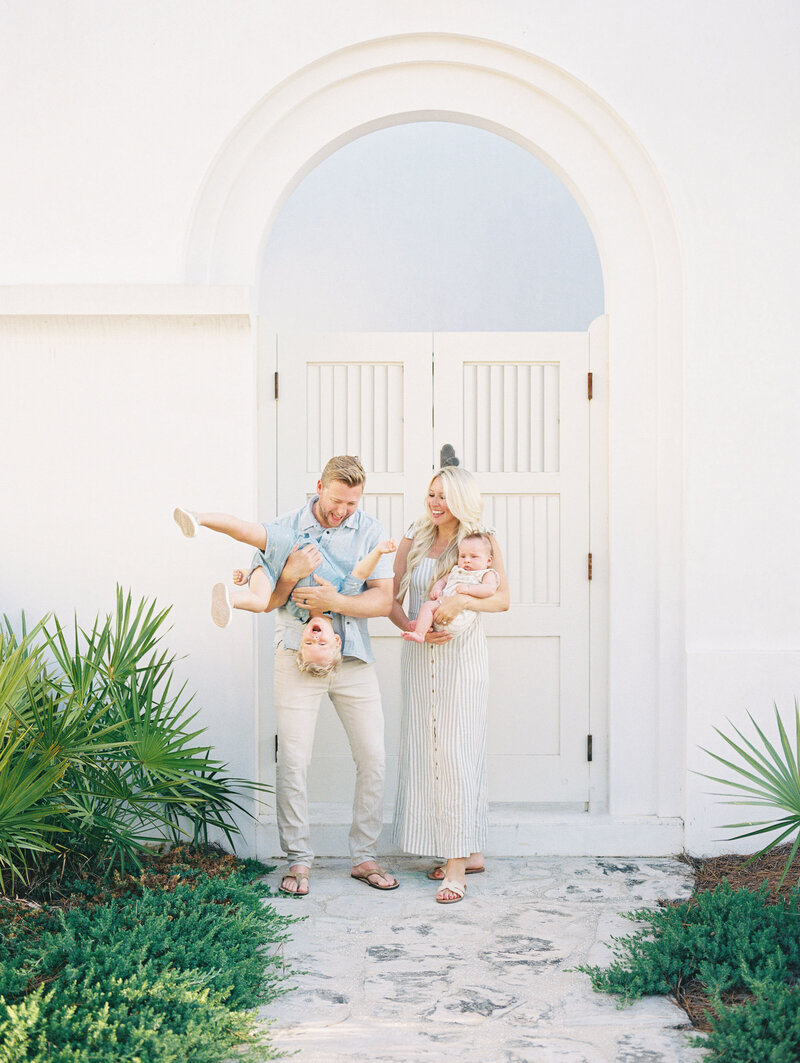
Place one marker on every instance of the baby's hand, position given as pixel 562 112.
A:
pixel 388 546
pixel 239 577
pixel 435 596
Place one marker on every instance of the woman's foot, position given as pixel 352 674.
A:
pixel 453 885
pixel 451 892
pixel 474 866
pixel 221 608
pixel 295 882
pixel 185 520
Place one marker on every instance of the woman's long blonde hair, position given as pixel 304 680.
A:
pixel 465 503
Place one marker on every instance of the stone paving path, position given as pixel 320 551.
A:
pixel 395 977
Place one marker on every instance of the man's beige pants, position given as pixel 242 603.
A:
pixel 353 689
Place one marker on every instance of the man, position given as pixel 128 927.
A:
pixel 332 518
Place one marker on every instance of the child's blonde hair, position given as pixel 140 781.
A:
pixel 465 503
pixel 318 671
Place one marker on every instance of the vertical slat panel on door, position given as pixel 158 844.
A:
pixel 368 394
pixel 515 408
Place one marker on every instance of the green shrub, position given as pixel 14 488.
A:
pixel 763 1030
pixel 723 937
pixel 147 978
pixel 99 754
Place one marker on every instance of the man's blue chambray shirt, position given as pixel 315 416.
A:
pixel 347 544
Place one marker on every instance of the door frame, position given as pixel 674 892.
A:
pixel 443 77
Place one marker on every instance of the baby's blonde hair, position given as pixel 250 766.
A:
pixel 465 503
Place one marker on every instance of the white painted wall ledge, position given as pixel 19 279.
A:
pixel 149 300
pixel 514 830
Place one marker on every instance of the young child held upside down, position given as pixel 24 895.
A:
pixel 472 575
pixel 320 648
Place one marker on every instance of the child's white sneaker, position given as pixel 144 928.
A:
pixel 221 608
pixel 185 521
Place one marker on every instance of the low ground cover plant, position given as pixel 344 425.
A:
pixel 166 965
pixel 730 955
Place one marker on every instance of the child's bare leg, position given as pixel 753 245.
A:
pixel 423 622
pixel 364 568
pixel 253 600
pixel 244 531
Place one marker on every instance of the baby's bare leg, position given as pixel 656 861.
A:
pixel 423 622
pixel 364 568
pixel 243 531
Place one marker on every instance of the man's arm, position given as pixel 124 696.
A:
pixel 376 600
pixel 298 564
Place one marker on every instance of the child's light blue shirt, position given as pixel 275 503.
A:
pixel 343 546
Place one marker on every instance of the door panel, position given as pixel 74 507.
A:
pixel 515 407
pixel 370 395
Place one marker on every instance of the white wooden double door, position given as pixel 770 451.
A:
pixel 515 408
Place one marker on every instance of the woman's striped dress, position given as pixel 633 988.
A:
pixel 441 805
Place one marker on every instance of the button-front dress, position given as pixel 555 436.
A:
pixel 441 807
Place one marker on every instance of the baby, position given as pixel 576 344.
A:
pixel 473 575
pixel 320 647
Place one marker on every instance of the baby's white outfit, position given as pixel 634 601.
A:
pixel 466 616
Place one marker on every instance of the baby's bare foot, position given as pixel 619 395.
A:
pixel 412 636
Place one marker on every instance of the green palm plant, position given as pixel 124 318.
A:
pixel 120 743
pixel 30 768
pixel 767 777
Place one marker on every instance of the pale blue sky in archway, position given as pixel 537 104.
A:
pixel 431 226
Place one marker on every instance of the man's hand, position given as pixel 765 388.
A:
pixel 322 598
pixel 437 636
pixel 301 562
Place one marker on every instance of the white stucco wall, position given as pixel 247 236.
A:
pixel 109 420
pixel 112 117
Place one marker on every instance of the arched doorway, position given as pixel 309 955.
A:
pixel 638 684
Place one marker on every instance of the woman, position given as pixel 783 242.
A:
pixel 441 799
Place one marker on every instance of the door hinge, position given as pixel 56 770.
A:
pixel 589 386
pixel 276 383
pixel 588 747
pixel 276 749
pixel 589 566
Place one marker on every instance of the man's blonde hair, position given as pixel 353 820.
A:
pixel 346 468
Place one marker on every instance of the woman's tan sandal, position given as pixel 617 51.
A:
pixel 451 886
pixel 436 874
pixel 299 878
pixel 366 876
